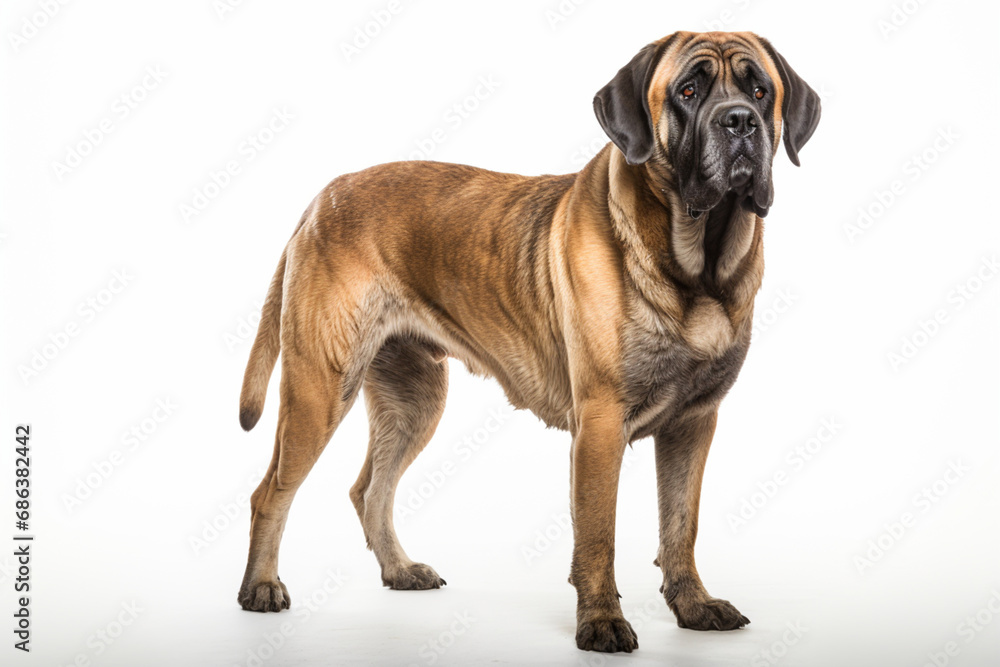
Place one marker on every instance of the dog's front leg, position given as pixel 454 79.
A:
pixel 681 450
pixel 598 447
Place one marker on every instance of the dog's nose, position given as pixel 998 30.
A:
pixel 739 120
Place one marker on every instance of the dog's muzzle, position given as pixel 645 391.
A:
pixel 739 157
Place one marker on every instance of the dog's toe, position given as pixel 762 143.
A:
pixel 413 577
pixel 709 614
pixel 607 635
pixel 265 596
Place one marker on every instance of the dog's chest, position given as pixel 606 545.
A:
pixel 671 369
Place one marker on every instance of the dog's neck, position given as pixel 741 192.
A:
pixel 719 253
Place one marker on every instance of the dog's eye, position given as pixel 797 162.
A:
pixel 688 91
pixel 759 93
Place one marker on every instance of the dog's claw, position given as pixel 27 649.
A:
pixel 413 577
pixel 708 614
pixel 265 596
pixel 606 635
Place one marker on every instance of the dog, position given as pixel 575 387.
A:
pixel 614 303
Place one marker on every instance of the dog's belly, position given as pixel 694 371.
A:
pixel 662 376
pixel 539 385
pixel 530 368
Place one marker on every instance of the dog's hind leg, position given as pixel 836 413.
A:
pixel 311 408
pixel 323 361
pixel 405 390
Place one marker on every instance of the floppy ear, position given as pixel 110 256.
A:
pixel 622 106
pixel 800 108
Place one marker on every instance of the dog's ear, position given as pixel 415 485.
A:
pixel 622 106
pixel 800 107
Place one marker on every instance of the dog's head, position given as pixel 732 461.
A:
pixel 708 108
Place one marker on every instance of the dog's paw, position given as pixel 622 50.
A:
pixel 607 635
pixel 708 614
pixel 412 577
pixel 264 596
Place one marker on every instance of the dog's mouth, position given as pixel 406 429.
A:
pixel 751 186
pixel 750 182
pixel 740 173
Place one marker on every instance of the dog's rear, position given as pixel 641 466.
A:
pixel 390 270
pixel 413 231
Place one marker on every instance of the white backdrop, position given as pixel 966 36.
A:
pixel 155 161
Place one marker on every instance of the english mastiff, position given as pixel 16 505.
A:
pixel 614 303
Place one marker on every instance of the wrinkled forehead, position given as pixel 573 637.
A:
pixel 721 55
pixel 717 54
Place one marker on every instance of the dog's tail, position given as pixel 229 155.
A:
pixel 264 353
